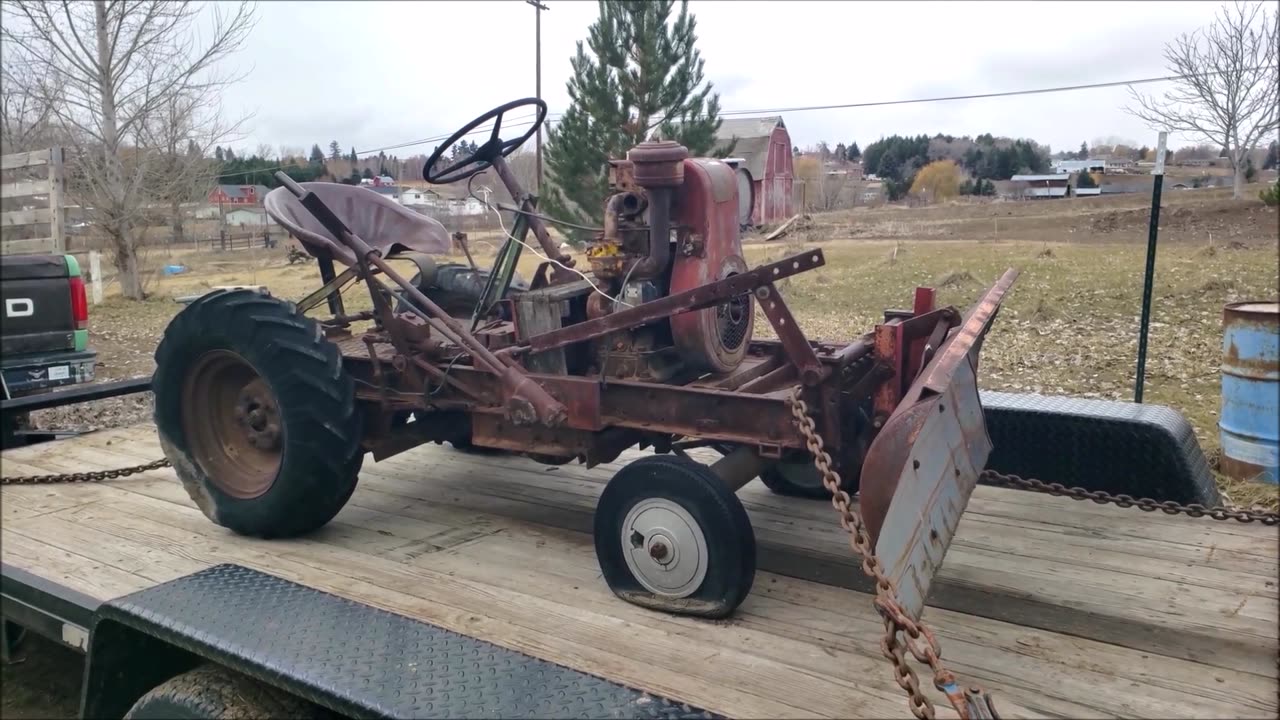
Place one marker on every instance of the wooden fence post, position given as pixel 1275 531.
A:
pixel 95 272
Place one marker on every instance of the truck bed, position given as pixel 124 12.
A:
pixel 1061 608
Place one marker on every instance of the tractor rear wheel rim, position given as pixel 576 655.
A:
pixel 232 423
pixel 665 548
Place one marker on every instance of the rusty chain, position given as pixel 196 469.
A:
pixel 1168 507
pixel 901 633
pixel 94 476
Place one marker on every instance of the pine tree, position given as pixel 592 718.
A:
pixel 1084 152
pixel 317 155
pixel 352 157
pixel 335 150
pixel 854 154
pixel 643 74
pixel 217 154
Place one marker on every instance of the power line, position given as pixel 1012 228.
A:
pixel 975 96
pixel 880 103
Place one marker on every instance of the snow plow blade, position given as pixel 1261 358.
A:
pixel 923 465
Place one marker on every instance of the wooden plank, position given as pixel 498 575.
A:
pixel 24 188
pixel 15 161
pixel 29 246
pixel 495 526
pixel 1179 603
pixel 34 216
pixel 800 628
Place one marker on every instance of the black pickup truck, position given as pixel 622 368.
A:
pixel 45 334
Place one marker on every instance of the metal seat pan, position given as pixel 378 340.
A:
pixel 381 222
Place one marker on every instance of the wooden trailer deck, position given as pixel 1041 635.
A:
pixel 1061 608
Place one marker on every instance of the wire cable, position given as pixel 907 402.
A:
pixel 538 253
pixel 551 117
pixel 972 96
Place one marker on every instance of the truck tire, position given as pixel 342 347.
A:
pixel 257 414
pixel 211 692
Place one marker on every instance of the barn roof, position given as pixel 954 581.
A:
pixel 752 140
pixel 236 191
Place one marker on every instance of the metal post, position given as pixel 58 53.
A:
pixel 1149 277
pixel 539 7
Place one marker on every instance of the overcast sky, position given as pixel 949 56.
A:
pixel 371 74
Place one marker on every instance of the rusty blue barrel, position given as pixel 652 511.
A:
pixel 1250 419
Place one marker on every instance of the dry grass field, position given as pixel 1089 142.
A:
pixel 1069 327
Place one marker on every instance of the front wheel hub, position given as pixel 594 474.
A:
pixel 232 424
pixel 665 548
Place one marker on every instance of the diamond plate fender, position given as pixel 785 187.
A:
pixel 923 465
pixel 349 657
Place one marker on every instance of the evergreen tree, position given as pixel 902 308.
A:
pixel 335 150
pixel 842 152
pixel 352 157
pixel 1273 157
pixel 643 74
pixel 317 155
pixel 1084 152
pixel 1143 152
pixel 1086 181
pixel 217 154
pixel 854 153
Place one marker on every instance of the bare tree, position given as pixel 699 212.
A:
pixel 111 72
pixel 1228 88
pixel 26 120
pixel 178 140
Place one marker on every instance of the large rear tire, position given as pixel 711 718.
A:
pixel 257 414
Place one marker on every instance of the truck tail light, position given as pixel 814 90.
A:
pixel 79 304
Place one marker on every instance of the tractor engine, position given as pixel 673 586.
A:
pixel 670 225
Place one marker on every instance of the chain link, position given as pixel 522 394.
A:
pixel 94 476
pixel 1168 507
pixel 902 635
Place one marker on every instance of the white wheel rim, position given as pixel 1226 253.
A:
pixel 665 548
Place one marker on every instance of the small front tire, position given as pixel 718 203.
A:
pixel 670 535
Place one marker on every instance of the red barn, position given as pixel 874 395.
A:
pixel 237 194
pixel 764 147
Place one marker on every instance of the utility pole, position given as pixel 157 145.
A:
pixel 538 8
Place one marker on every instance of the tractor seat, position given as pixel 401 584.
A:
pixel 381 222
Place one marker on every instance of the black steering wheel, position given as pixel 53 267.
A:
pixel 494 148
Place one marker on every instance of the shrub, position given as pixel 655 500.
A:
pixel 1271 195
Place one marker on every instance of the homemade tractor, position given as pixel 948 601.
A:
pixel 266 413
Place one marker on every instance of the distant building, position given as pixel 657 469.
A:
pixel 237 194
pixel 764 147
pixel 418 197
pixel 248 217
pixel 1056 185
pixel 1075 166
pixel 1087 192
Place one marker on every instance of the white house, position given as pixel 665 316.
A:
pixel 248 217
pixel 418 197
